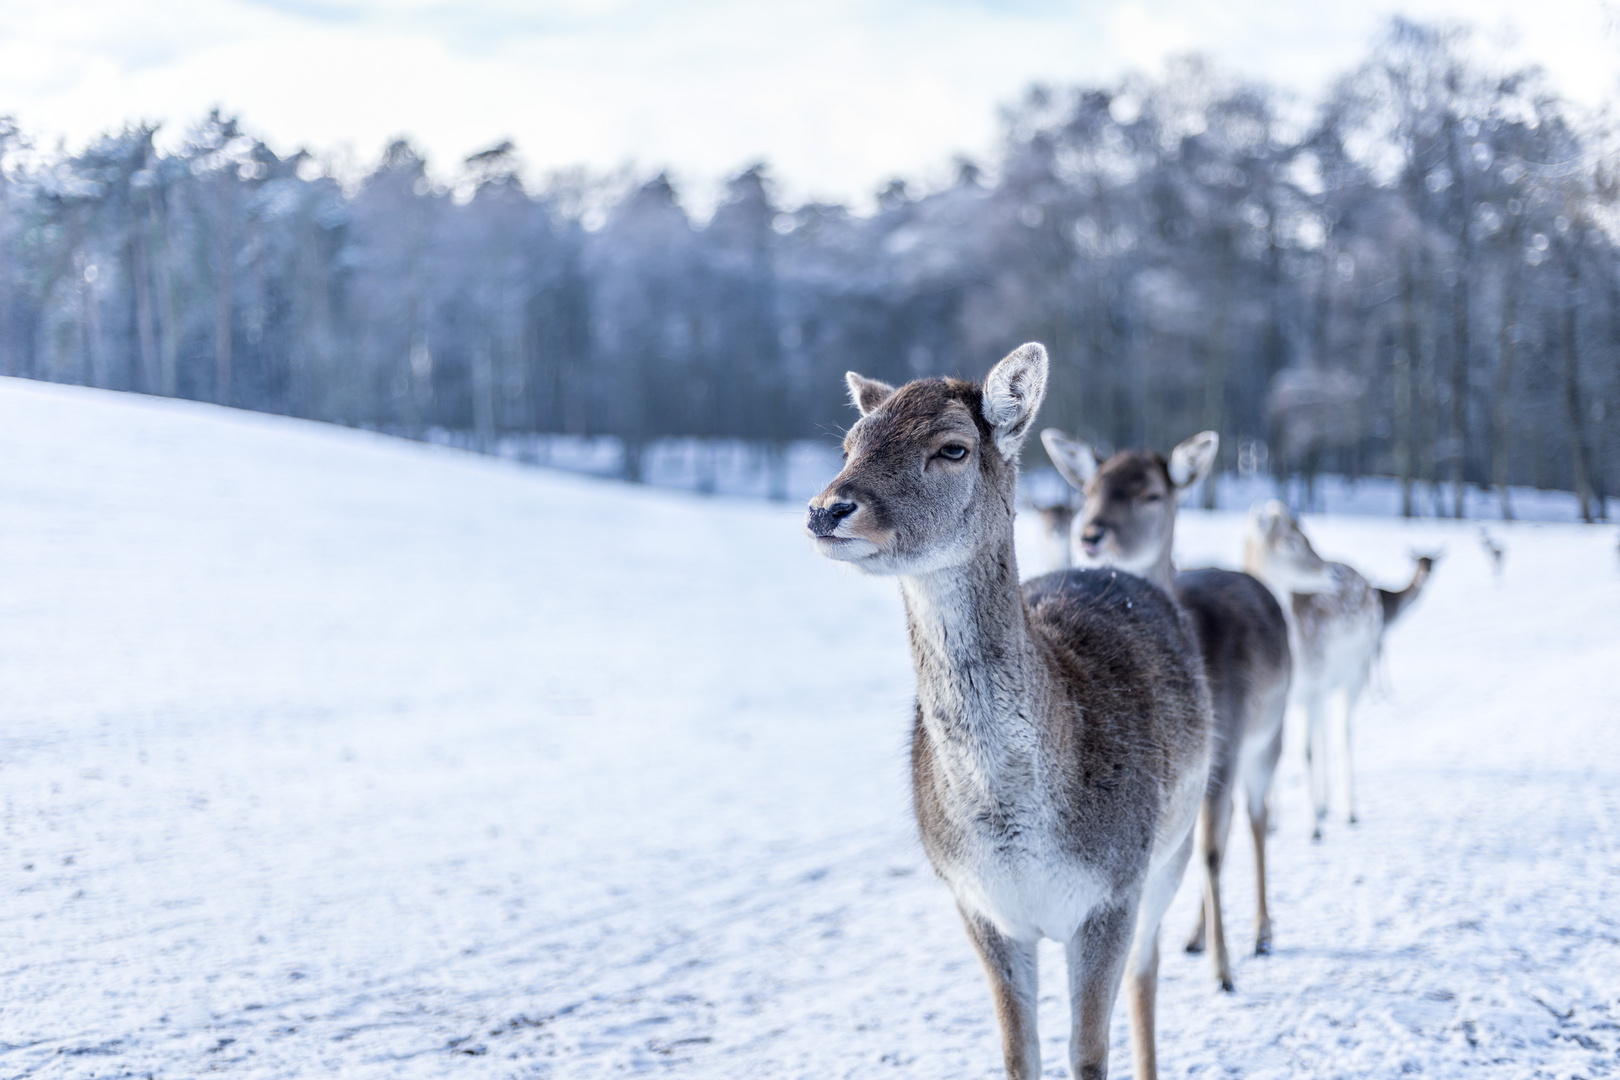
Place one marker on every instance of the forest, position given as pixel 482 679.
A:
pixel 1417 277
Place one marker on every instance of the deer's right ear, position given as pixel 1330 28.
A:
pixel 866 394
pixel 1074 460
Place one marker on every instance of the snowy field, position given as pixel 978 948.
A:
pixel 326 754
pixel 735 467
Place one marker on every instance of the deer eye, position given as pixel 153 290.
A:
pixel 953 452
pixel 1152 497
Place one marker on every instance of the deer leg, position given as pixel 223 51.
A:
pixel 1257 786
pixel 1214 818
pixel 1347 702
pixel 1011 968
pixel 1214 824
pixel 1195 940
pixel 1214 821
pixel 1316 759
pixel 1096 956
pixel 1143 964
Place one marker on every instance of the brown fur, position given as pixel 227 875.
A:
pixel 1128 520
pixel 1061 736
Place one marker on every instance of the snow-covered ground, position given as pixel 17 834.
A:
pixel 330 754
pixel 735 467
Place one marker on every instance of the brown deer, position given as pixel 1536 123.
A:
pixel 1336 623
pixel 1128 520
pixel 1061 736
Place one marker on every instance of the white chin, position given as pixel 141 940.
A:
pixel 1110 560
pixel 845 549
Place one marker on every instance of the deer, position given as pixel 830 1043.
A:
pixel 1337 622
pixel 1060 738
pixel 1494 551
pixel 1128 521
pixel 1056 521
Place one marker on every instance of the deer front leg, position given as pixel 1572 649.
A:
pixel 1096 956
pixel 1011 968
pixel 1143 964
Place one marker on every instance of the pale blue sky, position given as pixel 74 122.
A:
pixel 837 95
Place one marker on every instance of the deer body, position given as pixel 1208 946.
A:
pixel 1128 520
pixel 1336 622
pixel 1008 817
pixel 1056 522
pixel 1060 737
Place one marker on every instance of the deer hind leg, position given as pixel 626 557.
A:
pixel 1257 790
pixel 1096 956
pixel 1143 965
pixel 1214 824
pixel 1316 759
pixel 1213 828
pixel 1011 968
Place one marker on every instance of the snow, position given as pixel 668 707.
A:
pixel 737 467
pixel 332 754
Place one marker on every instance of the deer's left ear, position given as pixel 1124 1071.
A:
pixel 1075 461
pixel 1192 459
pixel 1012 396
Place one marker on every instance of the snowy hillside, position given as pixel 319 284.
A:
pixel 328 754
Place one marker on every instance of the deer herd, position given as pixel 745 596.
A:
pixel 1079 735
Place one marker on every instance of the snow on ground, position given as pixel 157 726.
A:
pixel 736 467
pixel 329 754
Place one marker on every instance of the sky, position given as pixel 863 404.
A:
pixel 837 96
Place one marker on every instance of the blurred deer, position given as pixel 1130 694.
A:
pixel 1337 623
pixel 1061 737
pixel 1056 520
pixel 1493 551
pixel 1128 520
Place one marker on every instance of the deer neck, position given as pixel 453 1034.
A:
pixel 1162 571
pixel 979 677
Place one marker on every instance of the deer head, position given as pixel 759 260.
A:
pixel 930 469
pixel 1129 516
pixel 1277 552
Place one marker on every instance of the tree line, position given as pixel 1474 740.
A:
pixel 1414 277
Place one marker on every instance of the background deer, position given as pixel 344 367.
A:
pixel 1056 521
pixel 1336 623
pixel 1128 520
pixel 1061 738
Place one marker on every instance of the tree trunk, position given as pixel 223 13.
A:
pixel 1405 357
pixel 1501 414
pixel 224 288
pixel 1580 458
pixel 1215 376
pixel 1459 392
pixel 483 395
pixel 168 383
pixel 145 329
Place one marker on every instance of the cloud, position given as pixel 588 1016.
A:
pixel 838 97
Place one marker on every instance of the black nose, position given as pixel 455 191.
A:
pixel 823 520
pixel 1093 534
